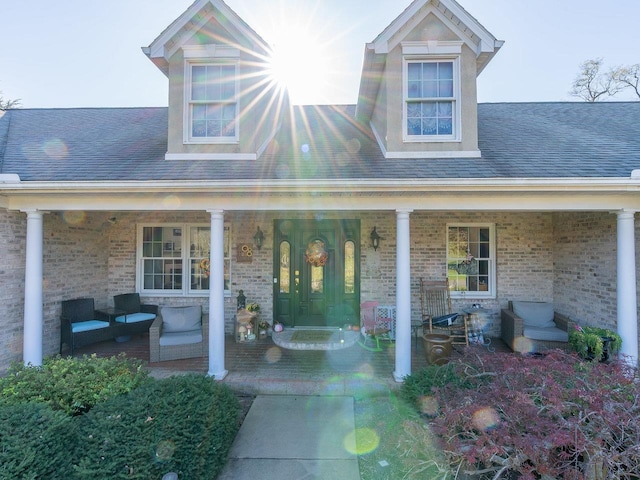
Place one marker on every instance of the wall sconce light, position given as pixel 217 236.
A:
pixel 375 239
pixel 258 238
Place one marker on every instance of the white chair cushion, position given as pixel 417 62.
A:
pixel 549 334
pixel 181 319
pixel 535 314
pixel 180 338
pixel 135 317
pixel 88 326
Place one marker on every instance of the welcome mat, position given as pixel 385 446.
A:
pixel 314 339
pixel 311 336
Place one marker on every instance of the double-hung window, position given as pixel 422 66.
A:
pixel 175 259
pixel 431 100
pixel 471 266
pixel 213 102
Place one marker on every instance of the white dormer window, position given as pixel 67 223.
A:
pixel 212 105
pixel 432 100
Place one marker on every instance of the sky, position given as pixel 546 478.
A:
pixel 87 53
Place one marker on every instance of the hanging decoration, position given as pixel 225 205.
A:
pixel 316 253
pixel 205 265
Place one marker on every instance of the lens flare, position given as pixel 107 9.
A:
pixel 273 355
pixel 428 405
pixel 361 441
pixel 165 450
pixel 522 344
pixel 171 202
pixel 485 419
pixel 55 149
pixel 74 217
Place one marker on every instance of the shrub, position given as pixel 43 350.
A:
pixel 36 442
pixel 73 385
pixel 183 424
pixel 553 416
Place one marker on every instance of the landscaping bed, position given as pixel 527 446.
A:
pixel 105 419
pixel 552 416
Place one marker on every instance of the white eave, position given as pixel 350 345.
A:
pixel 175 35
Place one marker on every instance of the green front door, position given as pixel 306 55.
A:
pixel 316 272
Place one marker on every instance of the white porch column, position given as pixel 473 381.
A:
pixel 403 296
pixel 626 291
pixel 33 324
pixel 216 297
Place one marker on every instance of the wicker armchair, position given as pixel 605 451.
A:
pixel 81 325
pixel 518 335
pixel 178 332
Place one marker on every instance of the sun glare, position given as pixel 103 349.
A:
pixel 301 63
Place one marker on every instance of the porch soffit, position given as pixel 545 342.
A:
pixel 326 199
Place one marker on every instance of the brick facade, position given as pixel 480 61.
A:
pixel 568 258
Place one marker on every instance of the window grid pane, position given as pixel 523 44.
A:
pixel 162 263
pixel 213 88
pixel 163 258
pixel 433 84
pixel 468 258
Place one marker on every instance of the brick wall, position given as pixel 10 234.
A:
pixel 567 258
pixel 13 230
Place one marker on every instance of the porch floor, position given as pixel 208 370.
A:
pixel 264 368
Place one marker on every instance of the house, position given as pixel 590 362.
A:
pixel 97 202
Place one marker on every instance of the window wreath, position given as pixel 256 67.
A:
pixel 205 265
pixel 316 253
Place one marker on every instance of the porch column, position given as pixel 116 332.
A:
pixel 403 296
pixel 33 324
pixel 216 297
pixel 627 289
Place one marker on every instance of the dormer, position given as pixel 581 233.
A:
pixel 418 86
pixel 222 104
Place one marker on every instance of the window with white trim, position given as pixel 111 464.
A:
pixel 174 259
pixel 212 102
pixel 431 107
pixel 471 266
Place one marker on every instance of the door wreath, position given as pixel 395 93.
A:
pixel 316 253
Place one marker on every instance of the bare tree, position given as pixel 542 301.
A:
pixel 627 77
pixel 591 85
pixel 6 104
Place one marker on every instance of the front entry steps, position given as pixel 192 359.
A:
pixel 315 338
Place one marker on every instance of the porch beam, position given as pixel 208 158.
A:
pixel 627 303
pixel 33 295
pixel 216 297
pixel 403 296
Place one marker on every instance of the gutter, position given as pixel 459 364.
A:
pixel 11 184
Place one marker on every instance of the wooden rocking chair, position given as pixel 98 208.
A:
pixel 438 315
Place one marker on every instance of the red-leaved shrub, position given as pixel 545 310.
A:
pixel 551 416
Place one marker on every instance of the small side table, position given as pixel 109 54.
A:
pixel 111 313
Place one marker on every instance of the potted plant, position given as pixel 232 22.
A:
pixel 263 327
pixel 593 343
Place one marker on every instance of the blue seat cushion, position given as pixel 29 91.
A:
pixel 88 325
pixel 135 317
pixel 180 338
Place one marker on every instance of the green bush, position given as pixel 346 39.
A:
pixel 36 442
pixel 183 424
pixel 73 385
pixel 423 382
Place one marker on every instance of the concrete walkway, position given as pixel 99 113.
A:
pixel 295 438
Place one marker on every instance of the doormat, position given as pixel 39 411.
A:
pixel 315 339
pixel 311 336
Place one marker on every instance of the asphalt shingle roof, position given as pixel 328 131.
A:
pixel 517 140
